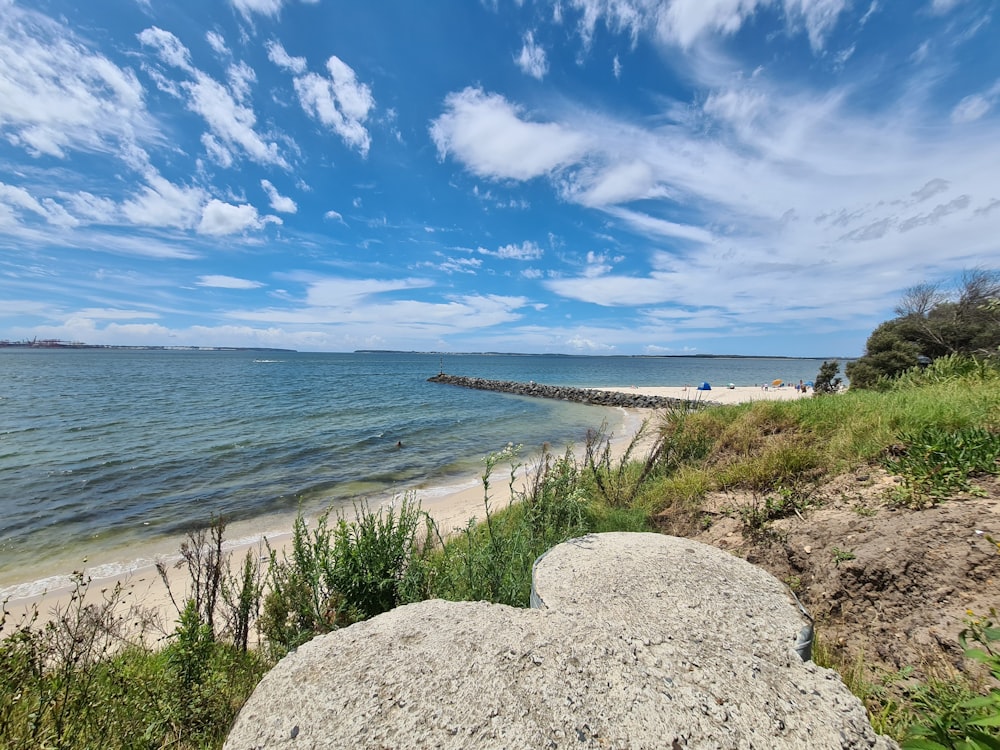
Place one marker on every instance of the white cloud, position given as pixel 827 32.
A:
pixel 241 77
pixel 227 282
pixel 19 198
pixel 278 202
pixel 232 123
pixel 220 218
pixel 247 8
pixel 485 133
pixel 940 7
pixel 91 208
pixel 653 226
pixel 975 106
pixel 160 203
pixel 339 102
pixel 525 251
pixel 332 215
pixel 217 43
pixel 532 60
pixel 56 95
pixel 619 183
pixel 685 22
pixel 277 54
pixel 168 47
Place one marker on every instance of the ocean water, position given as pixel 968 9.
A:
pixel 115 454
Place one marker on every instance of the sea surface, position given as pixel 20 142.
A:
pixel 113 455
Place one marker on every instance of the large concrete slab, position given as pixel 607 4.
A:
pixel 639 641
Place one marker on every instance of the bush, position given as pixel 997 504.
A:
pixel 338 576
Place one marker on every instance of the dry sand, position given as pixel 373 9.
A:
pixel 451 508
pixel 718 395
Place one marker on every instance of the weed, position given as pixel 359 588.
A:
pixel 951 716
pixel 842 555
pixel 757 515
pixel 934 461
pixel 336 576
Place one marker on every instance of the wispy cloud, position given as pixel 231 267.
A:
pixel 232 123
pixel 58 95
pixel 531 59
pixel 227 282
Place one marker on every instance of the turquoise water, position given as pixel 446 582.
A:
pixel 104 452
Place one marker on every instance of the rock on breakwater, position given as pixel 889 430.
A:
pixel 565 393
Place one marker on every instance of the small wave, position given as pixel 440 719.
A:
pixel 268 361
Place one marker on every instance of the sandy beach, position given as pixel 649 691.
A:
pixel 719 394
pixel 450 507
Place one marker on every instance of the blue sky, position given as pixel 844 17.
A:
pixel 578 176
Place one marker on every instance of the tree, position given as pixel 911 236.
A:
pixel 932 323
pixel 827 380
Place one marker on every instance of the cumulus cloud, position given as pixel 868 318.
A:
pixel 532 60
pixel 168 47
pixel 218 218
pixel 276 53
pixel 338 101
pixel 227 282
pixel 278 202
pixel 486 133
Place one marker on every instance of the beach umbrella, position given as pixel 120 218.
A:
pixel 704 387
pixel 777 381
pixel 809 383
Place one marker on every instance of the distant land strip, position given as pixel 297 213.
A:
pixel 563 393
pixel 58 344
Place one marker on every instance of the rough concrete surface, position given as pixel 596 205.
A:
pixel 640 641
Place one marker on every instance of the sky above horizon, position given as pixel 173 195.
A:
pixel 579 176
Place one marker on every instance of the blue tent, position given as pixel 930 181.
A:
pixel 704 387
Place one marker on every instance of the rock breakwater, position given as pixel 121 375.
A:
pixel 566 393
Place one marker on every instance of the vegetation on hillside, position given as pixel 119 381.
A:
pixel 90 678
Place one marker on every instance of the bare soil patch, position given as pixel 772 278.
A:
pixel 888 586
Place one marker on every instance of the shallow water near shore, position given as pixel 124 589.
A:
pixel 113 455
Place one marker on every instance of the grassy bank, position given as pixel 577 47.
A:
pixel 93 678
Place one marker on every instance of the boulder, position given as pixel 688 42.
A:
pixel 633 641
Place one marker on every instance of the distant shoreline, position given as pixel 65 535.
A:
pixel 609 356
pixel 57 344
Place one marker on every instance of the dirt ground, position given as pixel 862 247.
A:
pixel 889 587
